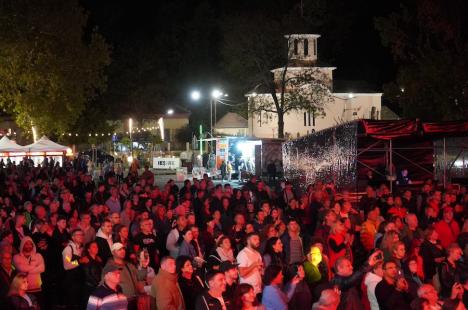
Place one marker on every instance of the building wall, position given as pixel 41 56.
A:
pixel 343 109
pixel 232 131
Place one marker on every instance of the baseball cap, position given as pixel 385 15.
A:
pixel 110 268
pixel 227 265
pixel 116 246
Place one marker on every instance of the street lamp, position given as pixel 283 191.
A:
pixel 170 111
pixel 130 125
pixel 215 95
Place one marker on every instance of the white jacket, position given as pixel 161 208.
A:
pixel 32 265
pixel 371 280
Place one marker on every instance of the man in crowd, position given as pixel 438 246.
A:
pixel 212 299
pixel 165 289
pixel 104 240
pixel 108 295
pixel 392 291
pixel 250 263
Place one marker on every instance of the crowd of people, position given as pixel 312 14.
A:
pixel 68 241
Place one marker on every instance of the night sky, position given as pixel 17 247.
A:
pixel 162 49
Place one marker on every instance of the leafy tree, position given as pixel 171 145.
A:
pixel 428 40
pixel 253 46
pixel 51 65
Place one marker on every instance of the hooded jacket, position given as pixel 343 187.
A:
pixel 32 265
pixel 104 244
pixel 166 291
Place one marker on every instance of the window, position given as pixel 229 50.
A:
pixel 296 43
pixel 305 116
pixel 313 118
pixel 306 47
pixel 315 47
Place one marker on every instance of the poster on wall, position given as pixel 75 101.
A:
pixel 222 146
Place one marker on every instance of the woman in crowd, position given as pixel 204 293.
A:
pixel 18 299
pixel 302 297
pixel 185 247
pixel 190 283
pixel 274 254
pixel 431 252
pixel 273 297
pixel 223 252
pixel 245 299
pixel 338 243
pixel 92 269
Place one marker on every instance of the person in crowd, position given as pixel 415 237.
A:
pixel 348 281
pixel 302 297
pixel 371 279
pixel 369 229
pixel 447 228
pixel 432 253
pixel 329 300
pixel 74 276
pixel 108 295
pixel 398 253
pixel 250 263
pixel 316 266
pixel 147 240
pixel 245 299
pixel 190 283
pixel 429 294
pixel 231 274
pixel 104 240
pixel 144 268
pixel 89 234
pixel 449 270
pixel 131 281
pixel 185 246
pixel 7 273
pixel 392 291
pixel 212 299
pixel 165 288
pixel 292 243
pixel 338 243
pixel 274 254
pixel 172 243
pixel 18 297
pixel 412 276
pixel 92 268
pixel 31 263
pixel 273 297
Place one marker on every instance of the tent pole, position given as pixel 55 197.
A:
pixel 391 166
pixel 445 165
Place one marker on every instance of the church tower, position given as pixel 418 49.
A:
pixel 302 49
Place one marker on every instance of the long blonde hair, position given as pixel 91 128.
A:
pixel 16 283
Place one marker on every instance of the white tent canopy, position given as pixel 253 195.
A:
pixel 6 145
pixel 45 145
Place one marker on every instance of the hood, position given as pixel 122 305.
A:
pixel 102 235
pixel 23 241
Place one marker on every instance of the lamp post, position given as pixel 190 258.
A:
pixel 130 125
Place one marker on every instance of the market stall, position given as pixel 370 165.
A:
pixel 44 147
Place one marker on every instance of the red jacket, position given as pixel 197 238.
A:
pixel 448 232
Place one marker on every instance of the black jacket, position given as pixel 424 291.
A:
pixel 92 271
pixel 206 302
pixel 16 302
pixel 350 298
pixel 390 299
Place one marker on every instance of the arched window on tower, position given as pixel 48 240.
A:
pixel 306 47
pixel 296 43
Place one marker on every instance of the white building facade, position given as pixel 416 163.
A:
pixel 341 108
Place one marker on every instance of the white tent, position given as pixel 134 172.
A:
pixel 6 146
pixel 45 145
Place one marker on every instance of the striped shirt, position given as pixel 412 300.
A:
pixel 105 298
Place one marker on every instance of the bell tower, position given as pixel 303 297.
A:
pixel 302 49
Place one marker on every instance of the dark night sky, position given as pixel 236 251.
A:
pixel 356 51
